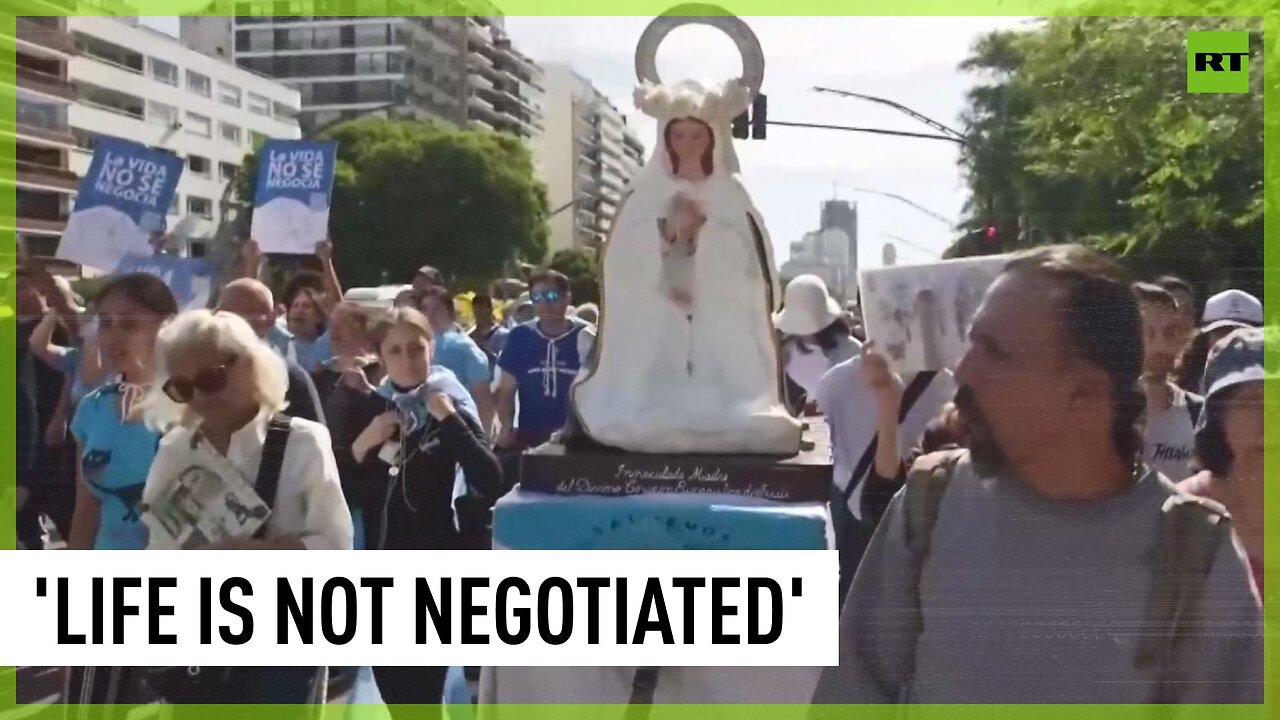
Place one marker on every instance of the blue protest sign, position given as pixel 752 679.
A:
pixel 123 198
pixel 291 202
pixel 190 279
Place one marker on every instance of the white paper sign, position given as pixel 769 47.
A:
pixel 919 315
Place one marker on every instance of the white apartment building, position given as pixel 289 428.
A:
pixel 139 84
pixel 587 155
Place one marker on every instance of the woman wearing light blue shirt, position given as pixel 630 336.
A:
pixel 113 444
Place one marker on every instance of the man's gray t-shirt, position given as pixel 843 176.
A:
pixel 1031 600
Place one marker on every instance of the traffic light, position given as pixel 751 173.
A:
pixel 759 117
pixel 740 127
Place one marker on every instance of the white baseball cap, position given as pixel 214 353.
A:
pixel 1232 307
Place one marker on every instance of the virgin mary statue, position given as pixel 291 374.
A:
pixel 687 360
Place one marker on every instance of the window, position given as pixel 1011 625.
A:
pixel 200 206
pixel 227 171
pixel 161 114
pixel 373 35
pixel 259 105
pixel 173 206
pixel 327 38
pixel 283 112
pixel 199 84
pixel 229 132
pixel 371 63
pixel 256 138
pixel 199 125
pixel 256 40
pixel 165 72
pixel 198 165
pixel 229 94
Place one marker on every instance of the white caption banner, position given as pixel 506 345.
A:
pixel 721 608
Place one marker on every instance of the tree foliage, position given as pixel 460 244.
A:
pixel 409 193
pixel 1082 128
pixel 582 267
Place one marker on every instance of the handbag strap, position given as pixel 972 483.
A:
pixel 910 396
pixel 268 481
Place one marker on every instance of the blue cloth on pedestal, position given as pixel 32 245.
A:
pixel 534 521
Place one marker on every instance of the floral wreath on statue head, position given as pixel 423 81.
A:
pixel 688 99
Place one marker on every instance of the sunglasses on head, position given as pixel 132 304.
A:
pixel 208 381
pixel 545 296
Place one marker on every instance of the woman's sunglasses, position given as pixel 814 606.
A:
pixel 545 296
pixel 208 381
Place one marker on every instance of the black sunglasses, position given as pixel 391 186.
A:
pixel 208 381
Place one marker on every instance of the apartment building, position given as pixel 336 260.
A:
pixel 504 87
pixel 457 69
pixel 139 84
pixel 44 187
pixel 587 155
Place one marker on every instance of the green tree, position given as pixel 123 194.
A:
pixel 409 193
pixel 1083 129
pixel 582 267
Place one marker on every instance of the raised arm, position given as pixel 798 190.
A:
pixel 250 259
pixel 332 288
pixel 41 342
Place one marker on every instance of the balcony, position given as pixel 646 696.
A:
pixel 44 84
pixel 46 33
pixel 478 124
pixel 40 226
pixel 475 102
pixel 43 177
pixel 480 82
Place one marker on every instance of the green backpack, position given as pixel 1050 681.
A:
pixel 1193 530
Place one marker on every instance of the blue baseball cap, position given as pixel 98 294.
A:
pixel 1236 359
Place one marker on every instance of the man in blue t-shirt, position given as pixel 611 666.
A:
pixel 538 365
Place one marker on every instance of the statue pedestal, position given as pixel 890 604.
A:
pixel 599 500
pixel 804 478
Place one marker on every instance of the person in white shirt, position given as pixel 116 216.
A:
pixel 217 388
pixel 849 406
pixel 1168 442
pixel 815 337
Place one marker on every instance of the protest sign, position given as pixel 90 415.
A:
pixel 291 202
pixel 123 198
pixel 190 279
pixel 919 315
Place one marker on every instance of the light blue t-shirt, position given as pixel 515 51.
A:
pixel 309 355
pixel 460 354
pixel 115 458
pixel 279 339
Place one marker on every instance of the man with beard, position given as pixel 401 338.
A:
pixel 1039 576
pixel 1169 440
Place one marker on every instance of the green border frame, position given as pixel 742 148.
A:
pixel 1269 11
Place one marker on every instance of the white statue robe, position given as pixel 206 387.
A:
pixel 667 382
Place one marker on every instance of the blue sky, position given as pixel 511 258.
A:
pixel 910 60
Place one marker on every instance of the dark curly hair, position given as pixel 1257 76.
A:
pixel 1102 326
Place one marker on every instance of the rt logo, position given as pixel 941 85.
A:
pixel 1218 62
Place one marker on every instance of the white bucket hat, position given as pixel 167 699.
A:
pixel 807 307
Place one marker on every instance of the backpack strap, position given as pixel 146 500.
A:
pixel 272 460
pixel 1192 531
pixel 926 482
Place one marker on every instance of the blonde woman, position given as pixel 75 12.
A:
pixel 219 393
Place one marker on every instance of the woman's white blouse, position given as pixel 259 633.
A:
pixel 309 502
